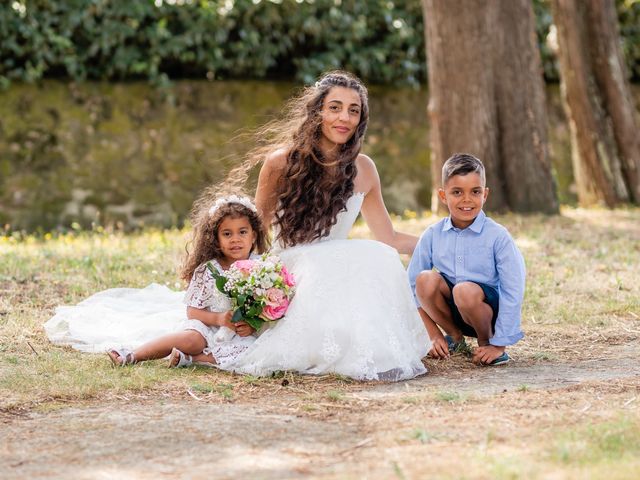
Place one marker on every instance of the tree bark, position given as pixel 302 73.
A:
pixel 487 98
pixel 597 99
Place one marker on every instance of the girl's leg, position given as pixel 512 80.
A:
pixel 189 342
pixel 176 359
pixel 205 358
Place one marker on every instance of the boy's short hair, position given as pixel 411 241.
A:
pixel 462 164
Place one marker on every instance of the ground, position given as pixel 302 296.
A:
pixel 459 421
pixel 567 406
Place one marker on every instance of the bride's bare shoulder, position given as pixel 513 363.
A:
pixel 276 160
pixel 367 177
pixel 365 164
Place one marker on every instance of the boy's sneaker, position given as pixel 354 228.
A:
pixel 454 346
pixel 501 360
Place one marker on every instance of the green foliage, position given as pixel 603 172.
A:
pixel 544 21
pixel 629 21
pixel 380 40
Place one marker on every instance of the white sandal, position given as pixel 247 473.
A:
pixel 177 359
pixel 127 356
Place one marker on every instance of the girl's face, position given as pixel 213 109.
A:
pixel 341 110
pixel 236 238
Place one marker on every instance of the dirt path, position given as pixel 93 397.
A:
pixel 191 438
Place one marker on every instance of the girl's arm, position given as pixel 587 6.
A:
pixel 266 191
pixel 211 319
pixel 375 212
pixel 219 319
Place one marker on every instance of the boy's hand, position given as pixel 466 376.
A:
pixel 487 354
pixel 244 329
pixel 439 348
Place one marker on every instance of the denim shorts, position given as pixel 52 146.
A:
pixel 491 298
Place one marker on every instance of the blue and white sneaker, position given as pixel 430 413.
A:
pixel 501 360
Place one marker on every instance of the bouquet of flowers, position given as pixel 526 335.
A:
pixel 260 290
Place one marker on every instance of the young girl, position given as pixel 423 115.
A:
pixel 225 231
pixel 229 230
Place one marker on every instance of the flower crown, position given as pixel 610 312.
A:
pixel 244 201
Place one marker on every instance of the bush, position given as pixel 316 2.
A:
pixel 380 40
pixel 99 39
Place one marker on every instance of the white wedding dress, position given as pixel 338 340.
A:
pixel 352 314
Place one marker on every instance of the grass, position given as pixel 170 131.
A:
pixel 603 443
pixel 582 297
pixel 450 397
pixel 422 435
pixel 581 278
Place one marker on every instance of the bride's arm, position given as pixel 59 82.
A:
pixel 266 191
pixel 375 212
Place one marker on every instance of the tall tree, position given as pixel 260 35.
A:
pixel 597 98
pixel 486 97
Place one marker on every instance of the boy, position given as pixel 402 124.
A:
pixel 478 287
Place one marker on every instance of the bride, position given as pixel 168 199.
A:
pixel 353 312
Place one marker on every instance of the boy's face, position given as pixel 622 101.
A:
pixel 464 195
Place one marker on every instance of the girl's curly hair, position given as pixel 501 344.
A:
pixel 309 195
pixel 204 238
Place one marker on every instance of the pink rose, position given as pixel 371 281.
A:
pixel 244 266
pixel 289 281
pixel 274 313
pixel 277 304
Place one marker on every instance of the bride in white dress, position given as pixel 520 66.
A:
pixel 353 312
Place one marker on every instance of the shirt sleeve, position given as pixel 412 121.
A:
pixel 420 260
pixel 511 275
pixel 202 292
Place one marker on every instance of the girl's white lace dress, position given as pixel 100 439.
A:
pixel 129 317
pixel 353 312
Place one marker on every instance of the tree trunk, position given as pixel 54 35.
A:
pixel 597 98
pixel 486 97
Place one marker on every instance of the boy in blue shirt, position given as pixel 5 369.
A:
pixel 478 285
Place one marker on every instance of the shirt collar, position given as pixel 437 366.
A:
pixel 476 226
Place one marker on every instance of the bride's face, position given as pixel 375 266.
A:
pixel 341 112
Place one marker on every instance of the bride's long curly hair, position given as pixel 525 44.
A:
pixel 312 189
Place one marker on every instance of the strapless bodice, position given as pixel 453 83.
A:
pixel 346 219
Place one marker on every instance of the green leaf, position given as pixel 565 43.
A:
pixel 237 316
pixel 255 322
pixel 220 283
pixel 241 300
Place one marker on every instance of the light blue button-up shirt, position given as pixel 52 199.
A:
pixel 484 252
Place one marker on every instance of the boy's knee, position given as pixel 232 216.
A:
pixel 467 295
pixel 427 283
